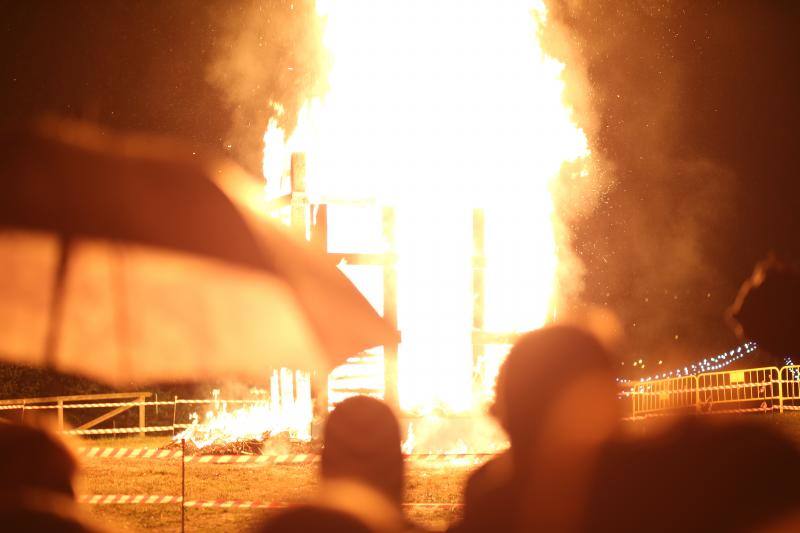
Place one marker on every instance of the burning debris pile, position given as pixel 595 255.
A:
pixel 268 443
pixel 277 420
pixel 239 447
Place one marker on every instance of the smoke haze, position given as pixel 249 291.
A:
pixel 269 57
pixel 691 110
pixel 660 87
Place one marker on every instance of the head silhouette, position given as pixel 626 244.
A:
pixel 700 475
pixel 362 442
pixel 540 368
pixel 308 518
pixel 32 458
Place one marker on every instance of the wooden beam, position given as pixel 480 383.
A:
pixel 319 379
pixel 299 198
pixel 391 393
pixel 104 417
pixel 478 288
pixel 142 423
pixel 77 398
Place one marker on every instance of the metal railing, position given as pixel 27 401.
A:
pixel 664 396
pixel 750 390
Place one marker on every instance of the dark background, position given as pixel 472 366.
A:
pixel 690 107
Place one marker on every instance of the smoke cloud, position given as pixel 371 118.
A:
pixel 665 92
pixel 646 222
pixel 269 57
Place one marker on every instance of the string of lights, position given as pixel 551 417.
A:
pixel 708 364
pixel 787 361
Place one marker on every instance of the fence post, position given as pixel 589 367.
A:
pixel 780 391
pixel 697 401
pixel 61 415
pixel 141 416
pixel 174 412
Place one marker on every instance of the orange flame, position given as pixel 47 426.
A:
pixel 286 408
pixel 437 108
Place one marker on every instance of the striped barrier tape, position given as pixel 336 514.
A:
pixel 152 499
pixel 301 458
pixel 113 431
pixel 28 407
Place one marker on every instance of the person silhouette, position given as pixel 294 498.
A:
pixel 37 482
pixel 556 400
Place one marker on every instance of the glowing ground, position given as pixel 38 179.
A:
pixel 251 482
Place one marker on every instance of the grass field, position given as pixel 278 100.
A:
pixel 281 483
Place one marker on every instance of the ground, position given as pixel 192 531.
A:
pixel 278 483
pixel 281 483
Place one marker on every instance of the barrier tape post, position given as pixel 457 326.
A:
pixel 183 485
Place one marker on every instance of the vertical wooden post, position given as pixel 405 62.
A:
pixel 61 415
pixel 319 379
pixel 299 202
pixel 478 289
pixel 174 412
pixel 391 395
pixel 142 425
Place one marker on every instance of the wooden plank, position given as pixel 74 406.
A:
pixel 478 287
pixel 77 398
pixel 299 201
pixel 390 351
pixel 319 380
pixel 142 424
pixel 104 417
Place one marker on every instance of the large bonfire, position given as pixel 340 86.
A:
pixel 434 108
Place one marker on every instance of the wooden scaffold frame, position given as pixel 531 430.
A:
pixel 310 221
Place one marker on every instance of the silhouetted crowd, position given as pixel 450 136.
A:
pixel 572 466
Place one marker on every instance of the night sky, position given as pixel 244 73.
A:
pixel 691 108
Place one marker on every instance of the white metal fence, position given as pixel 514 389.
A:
pixel 748 390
